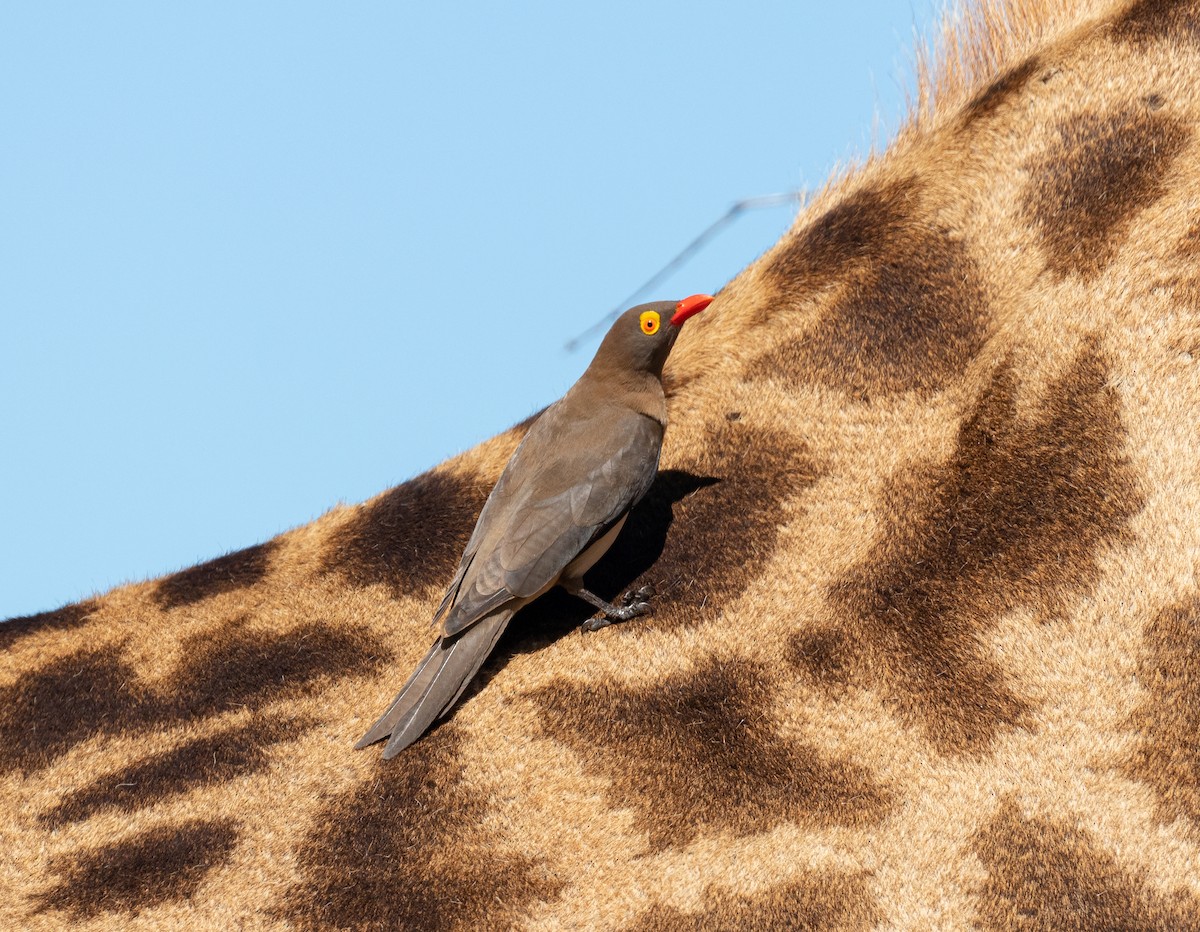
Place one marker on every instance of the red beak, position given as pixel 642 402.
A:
pixel 689 306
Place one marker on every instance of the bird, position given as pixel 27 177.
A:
pixel 557 507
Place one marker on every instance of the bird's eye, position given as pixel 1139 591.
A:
pixel 650 322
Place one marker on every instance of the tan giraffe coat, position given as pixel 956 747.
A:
pixel 927 644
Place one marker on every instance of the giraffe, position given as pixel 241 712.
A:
pixel 925 536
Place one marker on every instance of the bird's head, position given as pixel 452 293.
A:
pixel 642 337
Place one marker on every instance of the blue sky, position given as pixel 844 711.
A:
pixel 257 259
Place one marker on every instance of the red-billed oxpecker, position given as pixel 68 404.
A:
pixel 556 509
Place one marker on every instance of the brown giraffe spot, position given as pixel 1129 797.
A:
pixel 850 233
pixel 238 570
pixel 62 619
pixel 695 751
pixel 92 692
pixel 1017 517
pixel 236 668
pixel 160 865
pixel 1168 720
pixel 1184 338
pixel 1099 175
pixel 1000 91
pixel 1045 874
pixel 909 310
pixel 1153 20
pixel 1189 244
pixel 210 761
pixel 827 656
pixel 409 538
pixel 48 711
pixel 702 536
pixel 408 850
pixel 825 901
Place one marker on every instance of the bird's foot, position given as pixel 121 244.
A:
pixel 632 604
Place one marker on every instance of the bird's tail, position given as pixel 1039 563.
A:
pixel 436 684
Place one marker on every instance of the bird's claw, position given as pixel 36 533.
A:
pixel 631 605
pixel 636 602
pixel 636 609
pixel 642 596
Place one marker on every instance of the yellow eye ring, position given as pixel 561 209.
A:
pixel 650 322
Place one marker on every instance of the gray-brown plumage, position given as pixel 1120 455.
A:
pixel 557 507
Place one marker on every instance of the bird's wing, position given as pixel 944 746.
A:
pixel 562 488
pixel 500 493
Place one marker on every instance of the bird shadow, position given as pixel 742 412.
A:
pixel 636 549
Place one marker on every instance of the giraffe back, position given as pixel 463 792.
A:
pixel 926 649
